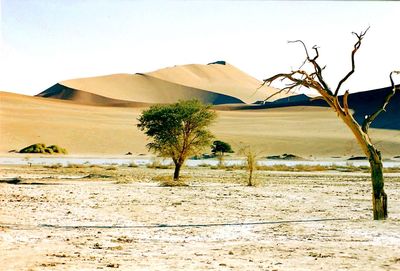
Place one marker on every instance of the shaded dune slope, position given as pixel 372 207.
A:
pixel 62 92
pixel 362 103
pixel 137 88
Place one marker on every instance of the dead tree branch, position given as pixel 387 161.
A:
pixel 317 68
pixel 346 103
pixel 353 53
pixel 369 119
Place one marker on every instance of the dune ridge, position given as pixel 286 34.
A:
pixel 213 83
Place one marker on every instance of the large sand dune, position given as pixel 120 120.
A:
pixel 213 83
pixel 86 130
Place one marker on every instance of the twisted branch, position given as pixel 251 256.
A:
pixel 369 119
pixel 317 68
pixel 355 49
pixel 346 103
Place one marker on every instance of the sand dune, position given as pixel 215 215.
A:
pixel 362 103
pixel 214 83
pixel 222 78
pixel 86 130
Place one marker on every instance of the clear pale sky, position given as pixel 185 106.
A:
pixel 47 41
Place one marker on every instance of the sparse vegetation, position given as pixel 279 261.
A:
pixel 54 166
pixel 251 163
pixel 156 163
pixel 133 164
pixel 305 168
pixel 111 167
pixel 77 166
pixel 285 156
pixel 167 181
pixel 41 148
pixel 219 148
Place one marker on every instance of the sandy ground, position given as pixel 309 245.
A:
pixel 91 130
pixel 108 218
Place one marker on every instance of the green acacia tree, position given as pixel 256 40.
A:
pixel 177 130
pixel 219 148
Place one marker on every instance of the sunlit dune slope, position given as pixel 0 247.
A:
pixel 95 130
pixel 213 83
pixel 221 78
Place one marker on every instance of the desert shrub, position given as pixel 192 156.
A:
pixel 250 163
pixel 235 167
pixel 76 166
pixel 158 165
pixel 35 148
pixel 391 170
pixel 309 168
pixel 132 164
pixel 57 149
pixel 219 148
pixel 54 166
pixel 167 181
pixel 41 148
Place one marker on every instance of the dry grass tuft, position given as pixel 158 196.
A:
pixel 158 165
pixel 77 166
pixel 168 181
pixel 54 166
pixel 250 163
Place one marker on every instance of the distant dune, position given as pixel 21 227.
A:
pixel 213 83
pixel 99 130
pixel 362 103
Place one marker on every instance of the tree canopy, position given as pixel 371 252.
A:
pixel 177 130
pixel 220 148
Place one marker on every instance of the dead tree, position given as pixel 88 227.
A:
pixel 315 80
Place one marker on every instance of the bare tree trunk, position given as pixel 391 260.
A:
pixel 220 160
pixel 379 197
pixel 250 183
pixel 177 171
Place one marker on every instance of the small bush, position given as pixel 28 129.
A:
pixel 54 166
pixel 167 181
pixel 250 163
pixel 158 165
pixel 35 148
pixel 57 149
pixel 76 166
pixel 132 164
pixel 41 148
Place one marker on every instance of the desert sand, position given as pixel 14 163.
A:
pixel 214 83
pixel 121 219
pixel 94 130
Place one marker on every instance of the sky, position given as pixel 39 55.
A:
pixel 47 41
